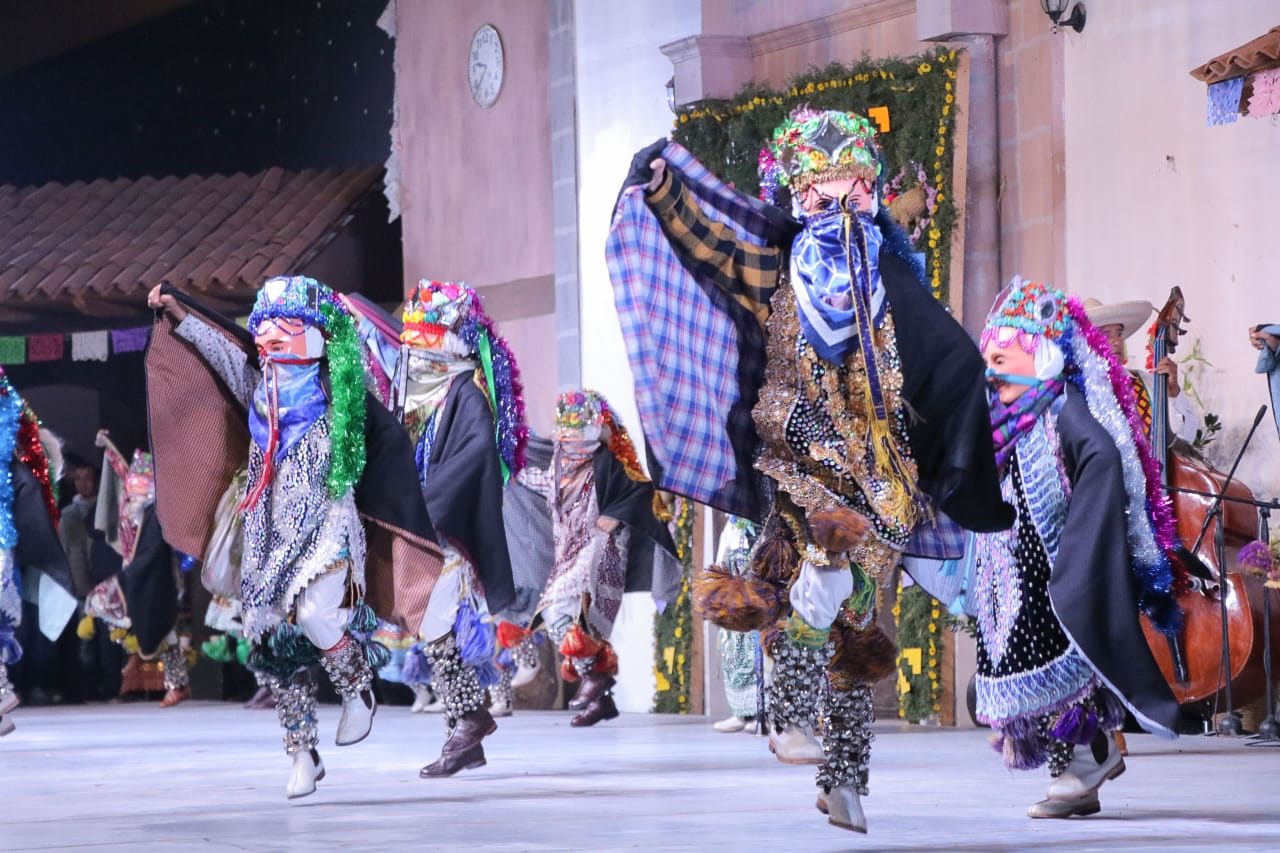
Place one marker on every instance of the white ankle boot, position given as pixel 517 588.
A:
pixel 8 701
pixel 1084 775
pixel 1059 809
pixel 729 725
pixel 6 725
pixel 422 697
pixel 795 746
pixel 357 718
pixel 844 808
pixel 308 769
pixel 525 674
pixel 500 707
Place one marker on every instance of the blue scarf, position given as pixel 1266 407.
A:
pixel 824 283
pixel 289 398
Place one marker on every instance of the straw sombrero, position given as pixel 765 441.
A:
pixel 1129 316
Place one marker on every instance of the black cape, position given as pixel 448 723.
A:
pixel 463 492
pixel 1091 587
pixel 39 547
pixel 631 502
pixel 150 587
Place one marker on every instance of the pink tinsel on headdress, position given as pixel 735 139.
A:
pixel 1157 501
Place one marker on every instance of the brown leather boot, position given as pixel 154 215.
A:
pixel 601 708
pixel 463 750
pixel 174 696
pixel 594 684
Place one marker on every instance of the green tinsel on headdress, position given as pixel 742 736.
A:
pixel 347 408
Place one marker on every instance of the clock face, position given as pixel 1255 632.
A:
pixel 485 65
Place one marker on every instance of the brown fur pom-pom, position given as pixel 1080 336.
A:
pixel 736 602
pixel 775 558
pixel 839 529
pixel 861 657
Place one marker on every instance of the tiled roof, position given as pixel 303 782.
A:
pixel 111 241
pixel 1258 55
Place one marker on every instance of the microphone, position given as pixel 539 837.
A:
pixel 1257 419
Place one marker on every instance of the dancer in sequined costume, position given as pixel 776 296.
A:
pixel 303 573
pixel 738 649
pixel 140 603
pixel 867 408
pixel 28 537
pixel 457 390
pixel 1061 653
pixel 607 541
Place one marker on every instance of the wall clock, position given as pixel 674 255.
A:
pixel 485 65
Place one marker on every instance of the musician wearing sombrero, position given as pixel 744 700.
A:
pixel 1119 321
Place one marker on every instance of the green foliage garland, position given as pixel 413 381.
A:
pixel 919 93
pixel 673 629
pixel 919 654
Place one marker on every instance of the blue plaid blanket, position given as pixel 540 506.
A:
pixel 697 356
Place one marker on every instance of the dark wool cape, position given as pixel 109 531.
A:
pixel 1091 587
pixel 463 490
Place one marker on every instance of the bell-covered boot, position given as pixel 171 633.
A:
pixel 467 721
pixel 177 680
pixel 799 680
pixel 502 696
pixel 296 709
pixel 353 680
pixel 528 662
pixel 846 744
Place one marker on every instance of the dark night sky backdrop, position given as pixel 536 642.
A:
pixel 237 85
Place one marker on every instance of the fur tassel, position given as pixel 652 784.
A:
pixel 376 655
pixel 417 666
pixel 860 657
pixel 511 635
pixel 567 672
pixel 473 636
pixel 243 647
pixel 1076 725
pixel 363 620
pixel 775 558
pixel 736 602
pixel 606 661
pixel 577 643
pixel 1021 745
pixel 487 674
pixel 220 649
pixel 504 661
pixel 85 628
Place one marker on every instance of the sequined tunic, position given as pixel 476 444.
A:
pixel 813 419
pixel 1027 667
pixel 295 532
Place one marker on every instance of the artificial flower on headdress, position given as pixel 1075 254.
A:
pixel 294 393
pixel 820 145
pixel 585 415
pixel 434 315
pixel 140 482
pixel 447 318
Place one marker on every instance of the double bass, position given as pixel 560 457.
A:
pixel 1191 662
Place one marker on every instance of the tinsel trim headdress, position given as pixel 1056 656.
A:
pixel 449 315
pixel 1038 313
pixel 580 409
pixel 307 300
pixel 818 145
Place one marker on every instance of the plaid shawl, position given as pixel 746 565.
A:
pixel 696 353
pixel 200 438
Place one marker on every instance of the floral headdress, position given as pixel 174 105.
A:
pixel 1029 311
pixel 448 316
pixel 307 300
pixel 818 145
pixel 579 410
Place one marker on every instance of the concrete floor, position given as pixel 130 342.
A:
pixel 211 776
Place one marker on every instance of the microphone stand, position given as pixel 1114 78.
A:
pixel 1269 729
pixel 1231 724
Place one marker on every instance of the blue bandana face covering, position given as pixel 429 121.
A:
pixel 823 281
pixel 292 387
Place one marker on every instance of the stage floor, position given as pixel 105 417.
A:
pixel 209 776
